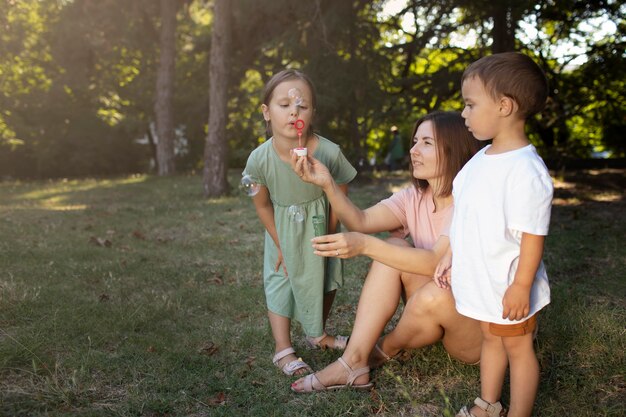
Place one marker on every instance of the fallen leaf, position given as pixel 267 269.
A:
pixel 250 361
pixel 216 280
pixel 98 241
pixel 138 235
pixel 208 348
pixel 219 399
pixel 103 298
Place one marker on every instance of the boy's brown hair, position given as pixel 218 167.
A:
pixel 513 75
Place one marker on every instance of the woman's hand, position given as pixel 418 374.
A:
pixel 340 245
pixel 311 170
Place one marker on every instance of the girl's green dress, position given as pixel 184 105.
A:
pixel 300 295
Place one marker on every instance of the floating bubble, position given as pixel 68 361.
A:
pixel 295 96
pixel 249 186
pixel 294 93
pixel 296 213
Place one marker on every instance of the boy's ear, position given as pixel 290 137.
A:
pixel 266 113
pixel 508 106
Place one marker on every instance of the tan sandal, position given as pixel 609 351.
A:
pixel 378 357
pixel 339 342
pixel 312 384
pixel 292 367
pixel 492 409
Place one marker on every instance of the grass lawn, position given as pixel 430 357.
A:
pixel 137 297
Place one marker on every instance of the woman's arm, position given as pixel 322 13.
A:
pixel 333 220
pixel 406 259
pixel 372 220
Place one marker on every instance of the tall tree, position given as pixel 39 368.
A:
pixel 214 179
pixel 163 107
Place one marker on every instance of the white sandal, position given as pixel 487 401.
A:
pixel 492 409
pixel 340 342
pixel 311 383
pixel 290 368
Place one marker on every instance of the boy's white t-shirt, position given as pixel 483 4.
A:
pixel 496 198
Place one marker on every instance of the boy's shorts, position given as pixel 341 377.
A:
pixel 517 329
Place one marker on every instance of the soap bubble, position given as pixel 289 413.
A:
pixel 296 213
pixel 295 96
pixel 249 186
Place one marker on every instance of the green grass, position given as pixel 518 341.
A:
pixel 137 297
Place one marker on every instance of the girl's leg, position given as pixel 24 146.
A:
pixel 281 326
pixel 493 363
pixel 378 302
pixel 524 374
pixel 329 298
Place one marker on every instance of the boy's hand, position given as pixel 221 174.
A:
pixel 442 276
pixel 516 302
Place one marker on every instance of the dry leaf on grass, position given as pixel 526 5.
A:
pixel 98 241
pixel 219 399
pixel 138 235
pixel 208 348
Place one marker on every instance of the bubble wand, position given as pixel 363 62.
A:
pixel 300 151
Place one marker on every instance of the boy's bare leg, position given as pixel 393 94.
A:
pixel 493 364
pixel 281 326
pixel 524 374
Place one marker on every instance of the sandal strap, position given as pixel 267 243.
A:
pixel 282 354
pixel 382 353
pixel 492 409
pixel 341 342
pixel 291 367
pixel 353 374
pixel 311 383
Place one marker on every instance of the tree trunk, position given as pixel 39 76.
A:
pixel 215 182
pixel 504 24
pixel 163 107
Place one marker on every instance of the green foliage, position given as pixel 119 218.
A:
pixel 78 77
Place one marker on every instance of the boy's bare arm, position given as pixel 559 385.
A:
pixel 516 302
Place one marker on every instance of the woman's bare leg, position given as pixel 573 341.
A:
pixel 429 316
pixel 378 302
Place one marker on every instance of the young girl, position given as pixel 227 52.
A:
pixel 298 284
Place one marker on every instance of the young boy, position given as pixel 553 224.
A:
pixel 502 198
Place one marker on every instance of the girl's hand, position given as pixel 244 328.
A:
pixel 280 261
pixel 339 245
pixel 516 302
pixel 442 276
pixel 311 170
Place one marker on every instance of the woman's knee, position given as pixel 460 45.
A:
pixel 430 299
